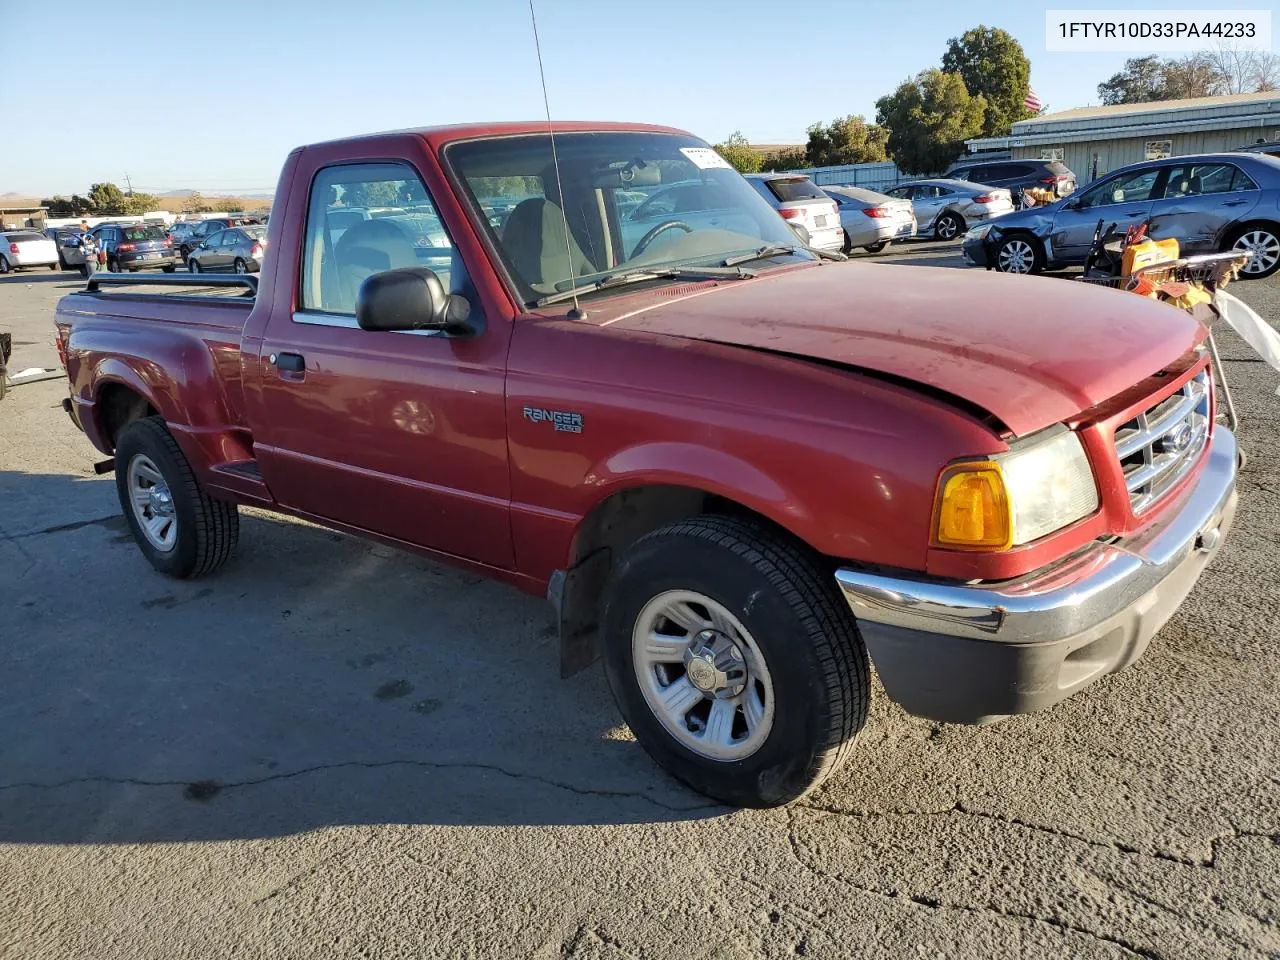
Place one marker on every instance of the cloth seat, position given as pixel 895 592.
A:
pixel 534 239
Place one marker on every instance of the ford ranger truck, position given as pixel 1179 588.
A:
pixel 741 470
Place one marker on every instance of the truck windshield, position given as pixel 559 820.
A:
pixel 630 200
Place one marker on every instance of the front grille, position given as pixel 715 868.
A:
pixel 1158 446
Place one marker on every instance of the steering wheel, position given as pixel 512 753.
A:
pixel 649 237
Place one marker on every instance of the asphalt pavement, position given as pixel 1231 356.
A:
pixel 332 749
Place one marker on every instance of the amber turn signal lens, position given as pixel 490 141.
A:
pixel 973 510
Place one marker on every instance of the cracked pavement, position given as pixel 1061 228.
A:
pixel 333 749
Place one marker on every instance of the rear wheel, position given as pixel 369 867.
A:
pixel 169 269
pixel 734 660
pixel 1262 242
pixel 180 529
pixel 1019 254
pixel 113 266
pixel 948 227
pixel 240 266
pixel 4 265
pixel 193 266
pixel 876 247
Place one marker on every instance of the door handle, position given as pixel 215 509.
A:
pixel 288 362
pixel 1233 203
pixel 1135 213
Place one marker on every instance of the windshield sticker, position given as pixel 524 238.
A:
pixel 704 158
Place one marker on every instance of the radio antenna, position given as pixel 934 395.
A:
pixel 555 163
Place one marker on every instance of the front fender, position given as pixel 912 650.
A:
pixel 713 471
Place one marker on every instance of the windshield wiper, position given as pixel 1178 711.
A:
pixel 778 250
pixel 623 277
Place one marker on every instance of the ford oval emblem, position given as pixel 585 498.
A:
pixel 1178 439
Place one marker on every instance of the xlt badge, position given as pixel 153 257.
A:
pixel 565 421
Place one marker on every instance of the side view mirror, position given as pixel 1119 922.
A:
pixel 801 233
pixel 1072 204
pixel 411 298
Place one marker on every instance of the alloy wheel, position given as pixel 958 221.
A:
pixel 1016 256
pixel 1263 248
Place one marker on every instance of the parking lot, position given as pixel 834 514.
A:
pixel 334 749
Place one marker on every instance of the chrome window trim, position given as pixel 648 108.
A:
pixel 347 321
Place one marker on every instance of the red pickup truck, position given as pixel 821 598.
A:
pixel 735 467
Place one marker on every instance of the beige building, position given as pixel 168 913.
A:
pixel 1096 140
pixel 12 218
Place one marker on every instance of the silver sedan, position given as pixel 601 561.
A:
pixel 946 208
pixel 871 220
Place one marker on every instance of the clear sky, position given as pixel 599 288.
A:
pixel 211 96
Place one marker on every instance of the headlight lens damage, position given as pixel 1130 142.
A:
pixel 1012 498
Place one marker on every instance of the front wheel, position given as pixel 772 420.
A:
pixel 734 660
pixel 1262 243
pixel 876 247
pixel 180 529
pixel 169 269
pixel 948 227
pixel 4 265
pixel 1019 255
pixel 193 266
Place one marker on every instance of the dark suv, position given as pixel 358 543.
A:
pixel 1016 174
pixel 135 247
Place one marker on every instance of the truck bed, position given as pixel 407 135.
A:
pixel 174 339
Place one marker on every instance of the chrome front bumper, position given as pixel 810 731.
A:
pixel 973 653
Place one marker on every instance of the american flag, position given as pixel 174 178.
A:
pixel 1032 102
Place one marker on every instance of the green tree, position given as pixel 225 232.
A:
pixel 795 158
pixel 1146 79
pixel 846 140
pixel 929 119
pixel 227 205
pixel 106 199
pixel 381 193
pixel 139 203
pixel 738 152
pixel 993 66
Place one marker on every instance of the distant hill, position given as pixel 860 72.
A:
pixel 171 201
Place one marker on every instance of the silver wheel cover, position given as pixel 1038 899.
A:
pixel 703 675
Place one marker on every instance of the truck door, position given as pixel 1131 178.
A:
pixel 402 434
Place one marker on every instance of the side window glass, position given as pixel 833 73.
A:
pixel 345 243
pixel 1242 181
pixel 1128 189
pixel 1211 178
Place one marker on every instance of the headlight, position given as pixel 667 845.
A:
pixel 1012 498
pixel 978 232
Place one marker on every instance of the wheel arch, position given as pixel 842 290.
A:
pixel 120 397
pixel 618 519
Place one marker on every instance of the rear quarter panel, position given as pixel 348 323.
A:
pixel 182 355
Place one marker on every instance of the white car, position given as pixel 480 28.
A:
pixel 799 201
pixel 26 248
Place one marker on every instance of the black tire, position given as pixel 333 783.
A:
pixel 1002 263
pixel 55 266
pixel 4 265
pixel 193 266
pixel 240 266
pixel 876 247
pixel 848 244
pixel 948 227
pixel 1270 234
pixel 805 632
pixel 169 269
pixel 84 270
pixel 113 266
pixel 208 529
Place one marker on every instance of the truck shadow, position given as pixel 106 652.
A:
pixel 316 680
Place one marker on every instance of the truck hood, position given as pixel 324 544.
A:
pixel 1032 351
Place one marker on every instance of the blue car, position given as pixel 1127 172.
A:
pixel 1208 203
